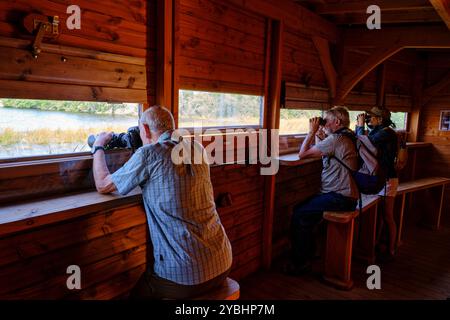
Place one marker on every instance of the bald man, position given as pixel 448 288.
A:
pixel 192 253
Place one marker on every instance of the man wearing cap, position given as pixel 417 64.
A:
pixel 384 138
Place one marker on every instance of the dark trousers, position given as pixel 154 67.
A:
pixel 152 287
pixel 307 216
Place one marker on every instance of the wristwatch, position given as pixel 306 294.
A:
pixel 94 149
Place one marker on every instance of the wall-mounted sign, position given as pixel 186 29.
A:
pixel 444 124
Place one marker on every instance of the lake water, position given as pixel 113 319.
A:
pixel 23 120
pixel 29 119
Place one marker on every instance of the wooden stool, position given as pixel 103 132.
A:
pixel 338 255
pixel 228 291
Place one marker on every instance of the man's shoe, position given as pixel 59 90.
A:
pixel 292 269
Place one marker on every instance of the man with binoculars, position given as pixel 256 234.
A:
pixel 192 253
pixel 338 191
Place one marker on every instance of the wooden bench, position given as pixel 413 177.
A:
pixel 436 184
pixel 228 291
pixel 340 238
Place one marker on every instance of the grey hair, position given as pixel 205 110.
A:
pixel 340 113
pixel 158 118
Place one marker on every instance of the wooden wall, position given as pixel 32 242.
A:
pixel 293 185
pixel 108 59
pixel 438 163
pixel 108 245
pixel 111 246
pixel 300 60
pixel 219 47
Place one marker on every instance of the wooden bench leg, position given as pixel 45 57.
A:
pixel 338 256
pixel 367 236
pixel 432 219
pixel 400 223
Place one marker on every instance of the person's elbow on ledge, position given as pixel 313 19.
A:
pixel 105 186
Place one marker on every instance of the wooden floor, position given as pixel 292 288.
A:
pixel 420 271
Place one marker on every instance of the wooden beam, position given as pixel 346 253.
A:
pixel 352 79
pixel 411 37
pixel 361 6
pixel 327 65
pixel 423 16
pixel 433 90
pixel 164 66
pixel 292 14
pixel 443 9
pixel 272 122
pixel 388 42
pixel 381 84
pixel 414 116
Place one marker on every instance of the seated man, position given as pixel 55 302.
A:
pixel 192 253
pixel 338 190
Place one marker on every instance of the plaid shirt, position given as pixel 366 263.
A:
pixel 189 242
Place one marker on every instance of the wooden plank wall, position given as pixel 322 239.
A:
pixel 220 47
pixel 108 246
pixel 121 29
pixel 399 72
pixel 111 246
pixel 293 185
pixel 438 161
pixel 300 61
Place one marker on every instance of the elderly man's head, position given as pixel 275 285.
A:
pixel 153 122
pixel 337 118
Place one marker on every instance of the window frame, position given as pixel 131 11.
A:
pixel 50 158
pixel 221 128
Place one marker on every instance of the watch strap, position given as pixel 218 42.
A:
pixel 96 148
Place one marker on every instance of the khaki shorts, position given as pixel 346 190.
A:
pixel 391 188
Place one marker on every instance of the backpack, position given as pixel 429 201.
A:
pixel 402 155
pixel 370 178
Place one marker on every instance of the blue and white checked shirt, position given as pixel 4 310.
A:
pixel 190 245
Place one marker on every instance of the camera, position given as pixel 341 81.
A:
pixel 367 118
pixel 129 140
pixel 322 121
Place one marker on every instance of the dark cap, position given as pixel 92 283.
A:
pixel 380 112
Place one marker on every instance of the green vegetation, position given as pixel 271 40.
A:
pixel 100 108
pixel 10 136
pixel 213 109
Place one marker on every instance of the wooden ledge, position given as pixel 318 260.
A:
pixel 419 184
pixel 340 217
pixel 19 217
pixel 414 145
pixel 292 160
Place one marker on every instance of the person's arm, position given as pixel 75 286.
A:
pixel 360 125
pixel 102 176
pixel 307 150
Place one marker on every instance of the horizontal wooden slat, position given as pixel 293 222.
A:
pixel 51 68
pixel 203 29
pixel 28 273
pixel 197 84
pixel 76 52
pixel 220 13
pixel 94 273
pixel 212 71
pixel 39 90
pixel 32 243
pixel 196 48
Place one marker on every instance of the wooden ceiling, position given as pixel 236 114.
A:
pixel 393 12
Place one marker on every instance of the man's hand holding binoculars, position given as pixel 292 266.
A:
pixel 361 120
pixel 314 124
pixel 102 139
